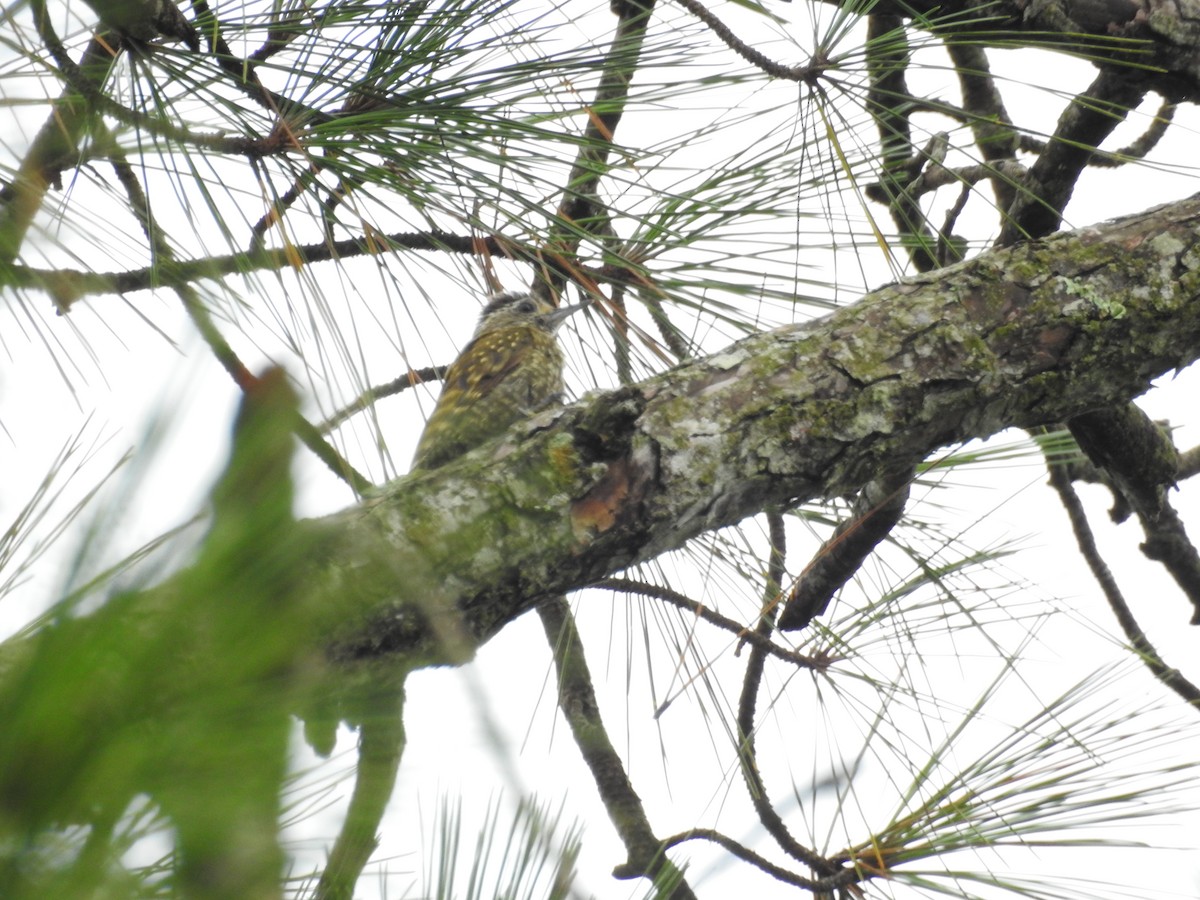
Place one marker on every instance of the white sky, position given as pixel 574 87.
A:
pixel 128 377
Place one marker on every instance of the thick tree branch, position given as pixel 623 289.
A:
pixel 1019 337
pixel 1162 40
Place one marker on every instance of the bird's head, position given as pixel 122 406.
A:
pixel 516 309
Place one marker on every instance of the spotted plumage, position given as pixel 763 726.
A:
pixel 511 368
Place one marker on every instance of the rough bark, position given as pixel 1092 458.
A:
pixel 1033 334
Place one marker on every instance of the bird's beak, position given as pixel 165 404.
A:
pixel 556 317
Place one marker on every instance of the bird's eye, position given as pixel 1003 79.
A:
pixel 526 306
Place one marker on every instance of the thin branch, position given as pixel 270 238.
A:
pixel 282 32
pixel 1189 463
pixel 888 101
pixel 675 340
pixel 756 58
pixel 244 74
pixel 990 123
pixel 1137 454
pixel 1142 463
pixel 696 608
pixel 110 43
pixel 622 348
pixel 1167 542
pixel 580 210
pixel 145 21
pixel 164 256
pixel 935 177
pixel 842 879
pixel 66 286
pixel 577 701
pixel 242 377
pixel 747 703
pixel 380 748
pixel 274 215
pixel 744 853
pixel 55 147
pixel 1083 126
pixel 951 248
pixel 1171 677
pixel 876 511
pixel 1146 142
pixel 372 395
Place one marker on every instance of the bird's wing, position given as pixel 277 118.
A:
pixel 488 360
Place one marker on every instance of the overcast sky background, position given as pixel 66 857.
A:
pixel 104 375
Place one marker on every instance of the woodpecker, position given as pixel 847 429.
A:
pixel 511 368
